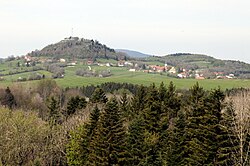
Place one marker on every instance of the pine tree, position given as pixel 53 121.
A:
pixel 135 142
pixel 162 92
pixel 54 112
pixel 74 104
pixel 78 148
pixel 215 105
pixel 171 101
pixel 152 111
pixel 94 118
pixel 227 140
pixel 195 150
pixel 176 141
pixel 202 131
pixel 138 101
pixel 98 96
pixel 108 145
pixel 152 117
pixel 124 106
pixel 8 99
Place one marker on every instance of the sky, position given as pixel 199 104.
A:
pixel 218 28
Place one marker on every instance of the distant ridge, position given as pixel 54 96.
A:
pixel 133 54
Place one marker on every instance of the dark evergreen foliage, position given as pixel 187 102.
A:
pixel 138 101
pixel 228 147
pixel 79 147
pixel 159 129
pixel 8 99
pixel 108 145
pixel 135 142
pixel 110 87
pixel 98 96
pixel 54 110
pixel 74 104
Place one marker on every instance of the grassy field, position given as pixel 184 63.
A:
pixel 123 75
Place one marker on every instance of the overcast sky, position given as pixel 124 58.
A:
pixel 219 28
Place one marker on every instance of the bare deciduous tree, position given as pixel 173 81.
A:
pixel 240 103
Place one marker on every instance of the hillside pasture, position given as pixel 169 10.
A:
pixel 122 74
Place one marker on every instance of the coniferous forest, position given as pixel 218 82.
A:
pixel 124 125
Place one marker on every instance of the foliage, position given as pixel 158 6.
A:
pixel 22 139
pixel 74 104
pixel 152 126
pixel 98 96
pixel 8 99
pixel 108 145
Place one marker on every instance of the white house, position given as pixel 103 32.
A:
pixel 133 70
pixel 172 70
pixel 62 60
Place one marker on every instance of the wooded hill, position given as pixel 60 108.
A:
pixel 74 47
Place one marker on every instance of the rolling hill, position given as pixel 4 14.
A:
pixel 204 63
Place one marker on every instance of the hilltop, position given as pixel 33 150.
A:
pixel 77 48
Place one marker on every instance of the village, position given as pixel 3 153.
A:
pixel 131 66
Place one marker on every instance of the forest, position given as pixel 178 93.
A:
pixel 117 124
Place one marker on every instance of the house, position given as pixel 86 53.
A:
pixel 182 75
pixel 199 77
pixel 61 60
pixel 121 64
pixel 159 68
pixel 128 64
pixel 100 64
pixel 90 62
pixel 28 58
pixel 221 77
pixel 71 64
pixel 172 70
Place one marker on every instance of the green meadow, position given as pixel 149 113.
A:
pixel 122 75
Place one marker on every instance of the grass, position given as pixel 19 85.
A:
pixel 122 75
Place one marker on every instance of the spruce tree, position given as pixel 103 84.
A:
pixel 54 110
pixel 172 102
pixel 136 142
pixel 108 145
pixel 176 141
pixel 124 106
pixel 78 148
pixel 228 142
pixel 162 92
pixel 98 96
pixel 138 101
pixel 152 111
pixel 196 149
pixel 152 117
pixel 74 104
pixel 8 99
pixel 215 105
